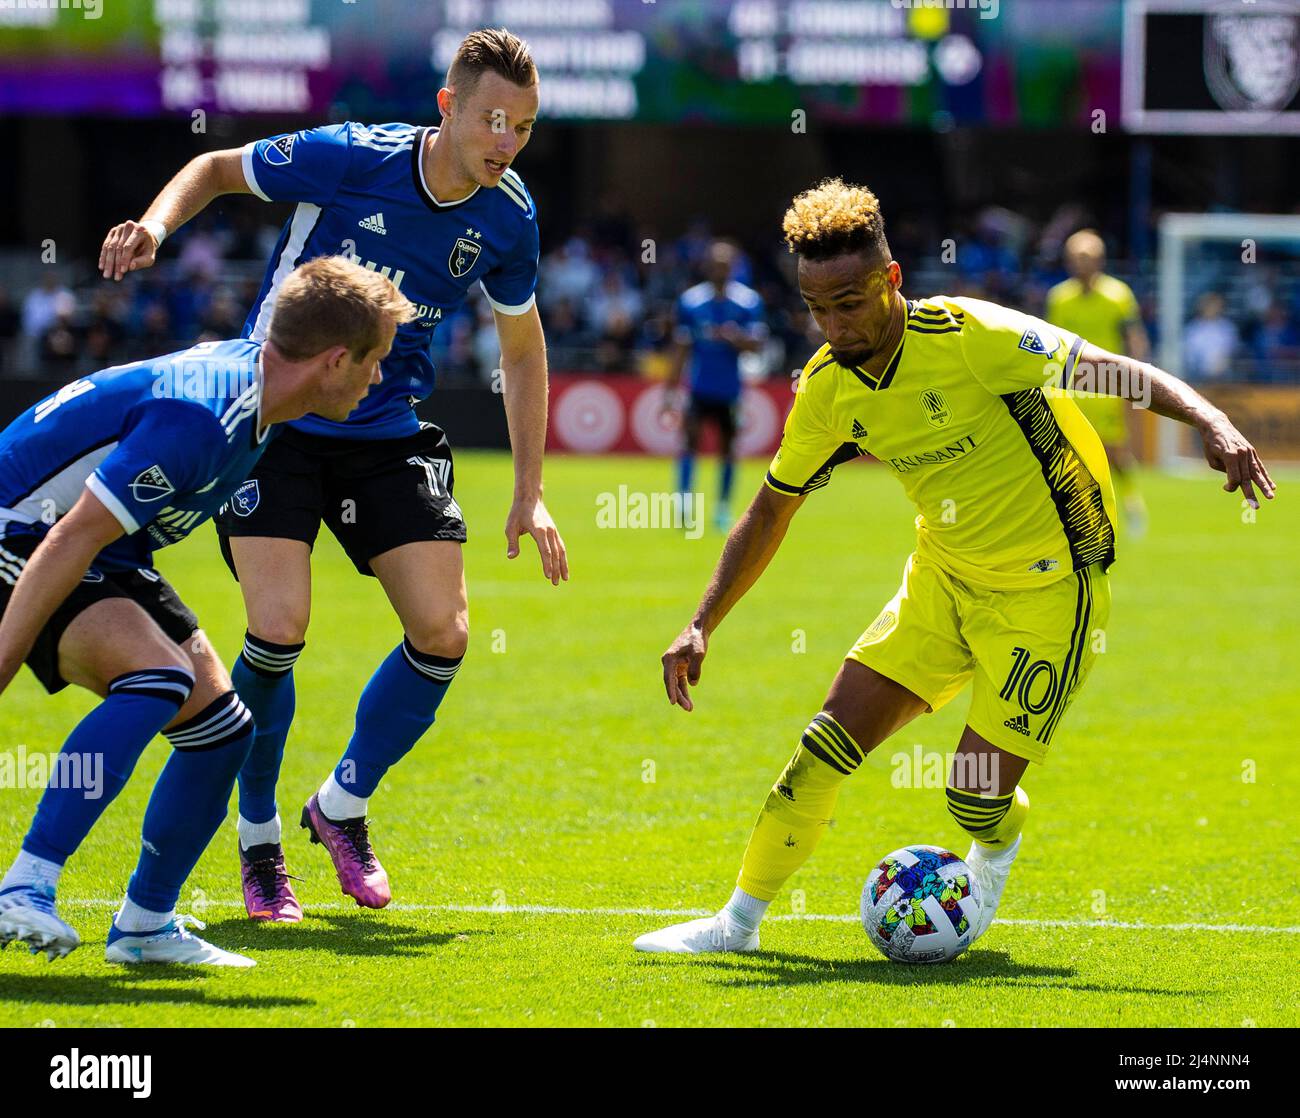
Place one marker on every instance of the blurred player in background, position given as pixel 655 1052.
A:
pixel 438 209
pixel 960 399
pixel 93 480
pixel 717 321
pixel 1104 310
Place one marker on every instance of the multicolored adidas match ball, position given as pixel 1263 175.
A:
pixel 921 905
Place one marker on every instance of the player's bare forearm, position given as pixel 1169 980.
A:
pixel 195 185
pixel 130 246
pixel 524 384
pixel 1226 449
pixel 49 576
pixel 749 549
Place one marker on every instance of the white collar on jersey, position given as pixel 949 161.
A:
pixel 424 183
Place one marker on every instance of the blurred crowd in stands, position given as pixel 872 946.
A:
pixel 607 294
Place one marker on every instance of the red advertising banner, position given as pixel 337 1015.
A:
pixel 593 414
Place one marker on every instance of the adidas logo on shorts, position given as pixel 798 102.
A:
pixel 374 224
pixel 1020 723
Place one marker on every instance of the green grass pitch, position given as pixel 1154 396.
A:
pixel 559 793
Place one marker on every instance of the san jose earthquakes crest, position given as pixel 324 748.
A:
pixel 246 498
pixel 464 254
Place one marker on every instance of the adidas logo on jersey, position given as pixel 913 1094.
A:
pixel 1020 723
pixel 859 432
pixel 374 224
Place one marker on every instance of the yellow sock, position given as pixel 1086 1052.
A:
pixel 799 807
pixel 992 821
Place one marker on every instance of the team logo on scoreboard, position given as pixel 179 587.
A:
pixel 1252 59
pixel 463 256
pixel 935 406
pixel 279 153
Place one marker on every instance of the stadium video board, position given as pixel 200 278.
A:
pixel 707 61
pixel 1212 66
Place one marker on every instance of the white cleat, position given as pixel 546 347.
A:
pixel 172 944
pixel 27 915
pixel 696 937
pixel 991 872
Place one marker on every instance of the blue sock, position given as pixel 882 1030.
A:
pixel 138 705
pixel 263 676
pixel 396 708
pixel 190 799
pixel 685 472
pixel 724 488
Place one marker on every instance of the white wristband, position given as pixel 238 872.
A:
pixel 157 230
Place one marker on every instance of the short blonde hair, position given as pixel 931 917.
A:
pixel 835 218
pixel 332 301
pixel 494 49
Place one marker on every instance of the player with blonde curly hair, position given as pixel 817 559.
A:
pixel 969 405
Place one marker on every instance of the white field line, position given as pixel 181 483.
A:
pixel 197 906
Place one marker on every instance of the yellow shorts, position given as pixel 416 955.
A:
pixel 1029 651
pixel 1108 416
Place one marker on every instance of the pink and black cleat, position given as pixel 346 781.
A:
pixel 360 875
pixel 267 892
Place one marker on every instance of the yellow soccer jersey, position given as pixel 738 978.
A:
pixel 1099 315
pixel 1010 481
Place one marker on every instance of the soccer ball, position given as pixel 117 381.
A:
pixel 920 905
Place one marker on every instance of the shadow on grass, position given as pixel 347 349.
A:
pixel 357 934
pixel 49 990
pixel 987 968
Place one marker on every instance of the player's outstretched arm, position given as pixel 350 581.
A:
pixel 51 574
pixel 523 368
pixel 133 245
pixel 746 554
pixel 1226 449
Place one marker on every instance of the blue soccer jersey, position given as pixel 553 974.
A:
pixel 361 193
pixel 162 443
pixel 714 370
